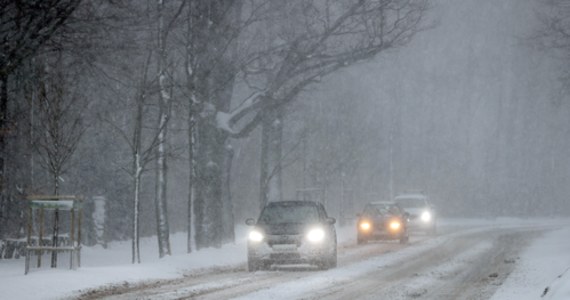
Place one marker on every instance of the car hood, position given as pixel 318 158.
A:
pixel 416 210
pixel 284 229
pixel 379 219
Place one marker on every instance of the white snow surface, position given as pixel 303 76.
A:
pixel 544 264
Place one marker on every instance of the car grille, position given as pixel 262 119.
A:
pixel 285 256
pixel 283 239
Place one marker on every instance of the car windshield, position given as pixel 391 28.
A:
pixel 380 209
pixel 411 202
pixel 289 213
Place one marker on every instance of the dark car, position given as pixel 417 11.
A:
pixel 422 213
pixel 292 232
pixel 382 221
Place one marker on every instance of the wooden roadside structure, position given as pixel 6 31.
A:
pixel 38 205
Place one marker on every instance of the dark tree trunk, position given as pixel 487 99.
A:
pixel 191 177
pixel 271 154
pixel 263 166
pixel 212 89
pixel 208 198
pixel 227 205
pixel 3 134
pixel 55 236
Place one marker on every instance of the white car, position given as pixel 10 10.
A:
pixel 292 232
pixel 422 213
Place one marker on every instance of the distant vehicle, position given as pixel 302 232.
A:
pixel 383 220
pixel 422 215
pixel 292 232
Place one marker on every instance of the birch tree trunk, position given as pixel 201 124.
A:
pixel 136 256
pixel 137 174
pixel 191 83
pixel 191 168
pixel 163 233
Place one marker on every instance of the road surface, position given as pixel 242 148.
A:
pixel 468 262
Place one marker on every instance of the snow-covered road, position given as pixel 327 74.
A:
pixel 467 262
pixel 469 259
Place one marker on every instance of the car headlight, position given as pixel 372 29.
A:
pixel 255 236
pixel 395 225
pixel 365 226
pixel 316 235
pixel 426 216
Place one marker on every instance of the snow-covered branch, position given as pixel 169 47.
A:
pixel 227 121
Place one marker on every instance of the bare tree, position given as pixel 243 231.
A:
pixel 148 143
pixel 313 39
pixel 554 34
pixel 60 127
pixel 164 106
pixel 25 26
pixel 210 42
pixel 141 156
pixel 326 36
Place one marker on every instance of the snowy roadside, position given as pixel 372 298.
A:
pixel 539 267
pixel 112 266
pixel 102 267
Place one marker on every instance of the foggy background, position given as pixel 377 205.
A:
pixel 471 112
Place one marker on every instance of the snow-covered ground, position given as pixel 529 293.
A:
pixel 543 264
pixel 112 266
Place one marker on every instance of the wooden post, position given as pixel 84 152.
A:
pixel 29 239
pixel 40 237
pixel 71 240
pixel 80 213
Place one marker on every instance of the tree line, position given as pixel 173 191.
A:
pixel 109 93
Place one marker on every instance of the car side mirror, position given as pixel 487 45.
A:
pixel 331 220
pixel 250 222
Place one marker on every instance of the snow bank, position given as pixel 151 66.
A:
pixel 102 267
pixel 111 266
pixel 559 289
pixel 542 272
pixel 540 265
